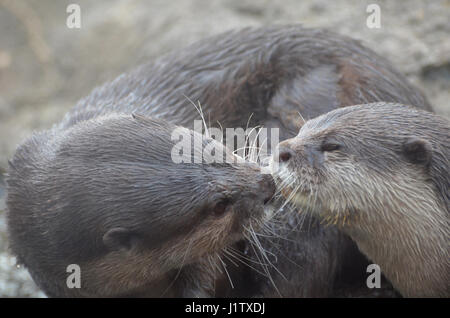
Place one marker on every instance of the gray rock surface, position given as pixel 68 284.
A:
pixel 46 67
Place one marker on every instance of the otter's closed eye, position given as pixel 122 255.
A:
pixel 221 207
pixel 329 146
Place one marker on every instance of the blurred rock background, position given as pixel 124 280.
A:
pixel 45 67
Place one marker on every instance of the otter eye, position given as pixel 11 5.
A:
pixel 330 147
pixel 221 207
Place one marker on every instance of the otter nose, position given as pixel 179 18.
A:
pixel 285 154
pixel 267 186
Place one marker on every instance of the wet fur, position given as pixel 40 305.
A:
pixel 387 186
pixel 73 194
pixel 272 73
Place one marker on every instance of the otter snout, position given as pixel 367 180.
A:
pixel 267 187
pixel 260 182
pixel 285 151
pixel 293 148
pixel 285 154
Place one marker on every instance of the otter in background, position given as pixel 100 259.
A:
pixel 273 75
pixel 381 173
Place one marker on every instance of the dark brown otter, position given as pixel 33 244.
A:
pixel 269 74
pixel 106 195
pixel 381 173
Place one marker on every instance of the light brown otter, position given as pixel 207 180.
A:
pixel 381 173
pixel 106 195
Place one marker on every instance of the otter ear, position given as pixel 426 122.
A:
pixel 120 238
pixel 417 150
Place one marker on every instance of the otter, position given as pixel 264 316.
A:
pixel 381 173
pixel 278 75
pixel 272 77
pixel 106 195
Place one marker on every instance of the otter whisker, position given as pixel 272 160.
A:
pixel 248 121
pixel 288 199
pixel 266 270
pixel 255 142
pixel 250 239
pixel 260 148
pixel 242 258
pixel 226 271
pixel 221 130
pixel 285 183
pixel 225 254
pixel 179 269
pixel 266 228
pixel 200 111
pixel 280 188
pixel 304 121
pixel 214 264
pixel 264 252
pixel 250 155
pixel 246 128
pixel 240 148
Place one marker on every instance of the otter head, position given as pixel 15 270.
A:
pixel 106 194
pixel 381 173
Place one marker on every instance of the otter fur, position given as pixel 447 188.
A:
pixel 381 174
pixel 273 77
